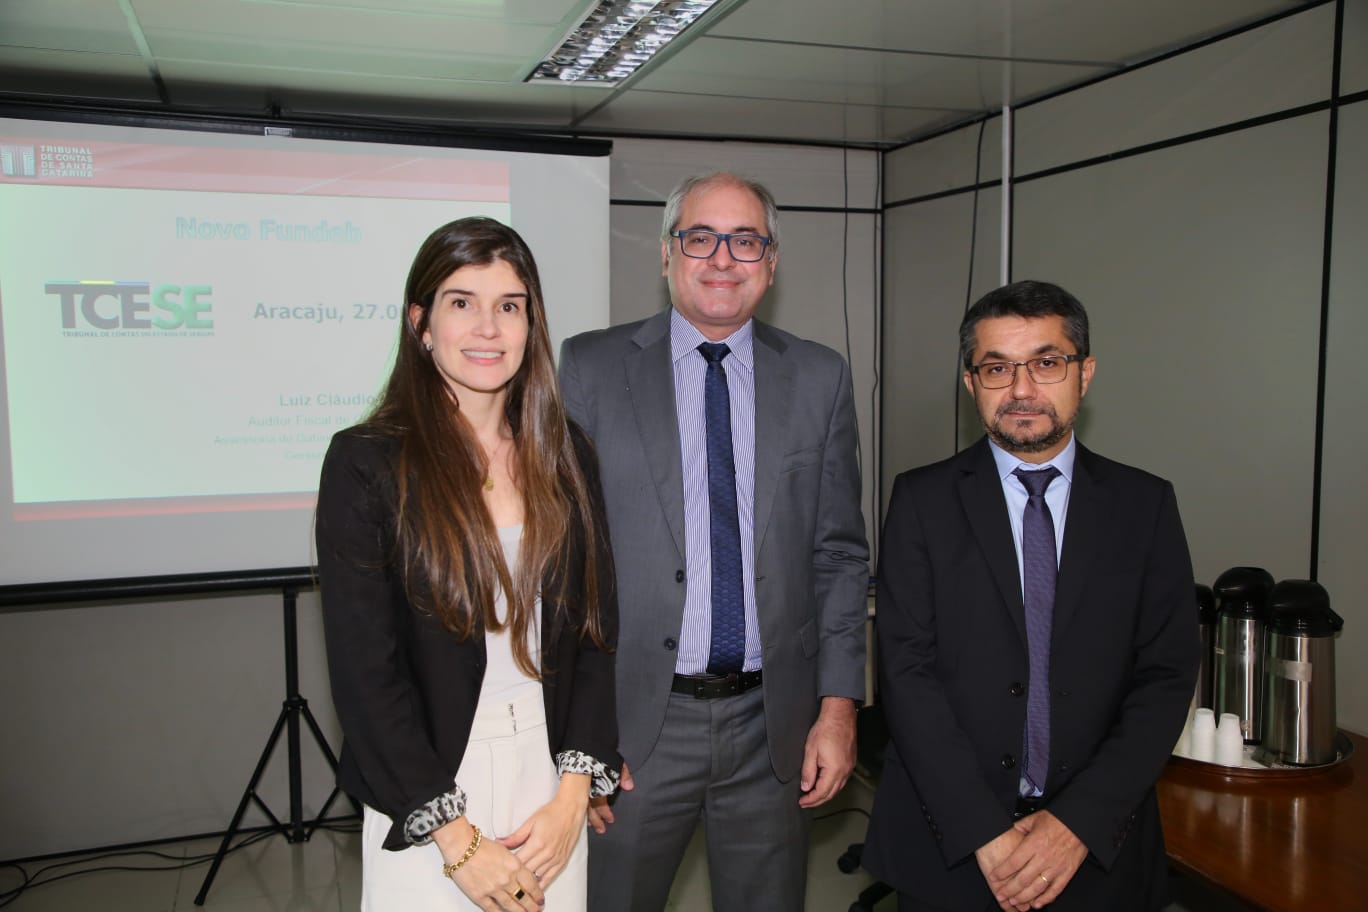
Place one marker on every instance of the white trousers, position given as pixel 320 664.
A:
pixel 507 773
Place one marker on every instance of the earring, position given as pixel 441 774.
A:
pixel 427 345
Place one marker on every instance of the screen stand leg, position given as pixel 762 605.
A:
pixel 296 829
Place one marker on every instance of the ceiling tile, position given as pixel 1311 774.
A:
pixel 1073 30
pixel 722 117
pixel 542 12
pixel 239 27
pixel 776 71
pixel 317 65
pixel 76 75
pixel 392 98
pixel 1125 31
pixel 63 25
pixel 859 71
pixel 903 124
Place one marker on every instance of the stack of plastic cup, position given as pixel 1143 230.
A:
pixel 1229 741
pixel 1204 735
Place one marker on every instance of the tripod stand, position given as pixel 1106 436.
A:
pixel 296 829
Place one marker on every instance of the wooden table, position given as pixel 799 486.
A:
pixel 1284 843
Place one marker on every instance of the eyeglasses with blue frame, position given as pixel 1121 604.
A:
pixel 701 244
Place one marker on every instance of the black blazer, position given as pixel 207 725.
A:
pixel 405 688
pixel 953 662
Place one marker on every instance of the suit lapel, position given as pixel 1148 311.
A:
pixel 650 380
pixel 1083 527
pixel 980 491
pixel 773 403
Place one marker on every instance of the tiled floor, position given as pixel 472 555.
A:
pixel 323 875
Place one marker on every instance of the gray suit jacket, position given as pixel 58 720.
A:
pixel 811 559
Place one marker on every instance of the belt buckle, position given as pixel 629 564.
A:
pixel 714 687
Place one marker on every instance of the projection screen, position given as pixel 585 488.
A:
pixel 188 316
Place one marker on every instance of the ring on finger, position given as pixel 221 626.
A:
pixel 519 893
pixel 1044 878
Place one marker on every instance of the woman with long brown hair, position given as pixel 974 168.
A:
pixel 468 599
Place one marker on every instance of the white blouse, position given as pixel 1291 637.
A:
pixel 503 678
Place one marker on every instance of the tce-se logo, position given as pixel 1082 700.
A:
pixel 127 305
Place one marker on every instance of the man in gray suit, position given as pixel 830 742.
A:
pixel 728 451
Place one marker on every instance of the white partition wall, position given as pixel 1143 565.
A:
pixel 1185 203
pixel 127 722
pixel 927 287
pixel 1344 502
pixel 1278 67
pixel 1205 319
pixel 1354 53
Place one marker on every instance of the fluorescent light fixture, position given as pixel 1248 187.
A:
pixel 616 38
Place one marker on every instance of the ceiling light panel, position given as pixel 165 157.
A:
pixel 616 38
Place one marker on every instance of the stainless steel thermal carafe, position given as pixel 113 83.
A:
pixel 1299 672
pixel 1237 657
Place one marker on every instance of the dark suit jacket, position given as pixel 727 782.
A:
pixel 953 662
pixel 405 688
pixel 811 560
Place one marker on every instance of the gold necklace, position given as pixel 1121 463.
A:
pixel 489 479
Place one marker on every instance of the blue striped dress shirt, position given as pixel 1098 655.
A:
pixel 689 370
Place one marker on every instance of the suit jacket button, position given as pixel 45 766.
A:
pixel 1008 761
pixel 679 576
pixel 1017 689
pixel 1063 767
pixel 671 643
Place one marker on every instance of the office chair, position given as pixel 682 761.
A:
pixel 871 739
pixel 849 863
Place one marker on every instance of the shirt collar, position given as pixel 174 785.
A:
pixel 1063 461
pixel 685 339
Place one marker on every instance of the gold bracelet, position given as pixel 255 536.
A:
pixel 449 869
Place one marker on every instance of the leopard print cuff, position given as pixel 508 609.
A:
pixel 604 780
pixel 438 812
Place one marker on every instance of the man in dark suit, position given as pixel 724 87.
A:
pixel 728 453
pixel 1037 642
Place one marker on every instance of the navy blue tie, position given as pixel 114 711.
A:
pixel 727 652
pixel 1039 569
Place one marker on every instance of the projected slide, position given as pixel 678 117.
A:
pixel 209 337
pixel 188 316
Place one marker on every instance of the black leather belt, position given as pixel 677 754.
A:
pixel 710 687
pixel 1027 806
